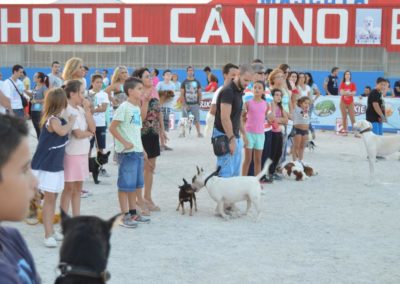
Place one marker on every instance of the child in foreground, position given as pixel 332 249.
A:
pixel 17 188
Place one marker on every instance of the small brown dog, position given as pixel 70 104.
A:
pixel 187 194
pixel 35 211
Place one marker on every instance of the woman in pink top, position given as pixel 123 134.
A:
pixel 347 90
pixel 253 117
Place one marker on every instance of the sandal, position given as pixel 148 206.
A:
pixel 343 132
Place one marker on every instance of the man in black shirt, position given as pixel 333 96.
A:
pixel 191 97
pixel 376 107
pixel 331 84
pixel 228 122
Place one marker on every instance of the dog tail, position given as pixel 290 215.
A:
pixel 265 169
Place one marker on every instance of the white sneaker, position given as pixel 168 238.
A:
pixel 50 242
pixel 58 236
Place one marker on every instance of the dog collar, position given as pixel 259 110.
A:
pixel 366 130
pixel 213 174
pixel 67 269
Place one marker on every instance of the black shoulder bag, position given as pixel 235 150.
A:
pixel 23 99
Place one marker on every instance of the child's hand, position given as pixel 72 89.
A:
pixel 128 145
pixel 72 118
pixel 146 97
pixel 86 105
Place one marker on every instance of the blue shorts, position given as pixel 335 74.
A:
pixel 256 140
pixel 377 128
pixel 230 164
pixel 130 171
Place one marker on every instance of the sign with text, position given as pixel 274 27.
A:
pixel 302 25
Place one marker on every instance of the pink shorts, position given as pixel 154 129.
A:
pixel 76 167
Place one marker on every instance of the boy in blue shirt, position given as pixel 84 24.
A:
pixel 17 188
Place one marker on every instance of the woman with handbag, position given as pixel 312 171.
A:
pixel 37 99
pixel 347 91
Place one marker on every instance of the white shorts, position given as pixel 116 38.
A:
pixel 50 181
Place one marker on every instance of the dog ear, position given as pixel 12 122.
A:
pixel 202 170
pixel 108 153
pixel 198 170
pixel 64 219
pixel 184 181
pixel 111 221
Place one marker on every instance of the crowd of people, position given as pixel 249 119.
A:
pixel 260 112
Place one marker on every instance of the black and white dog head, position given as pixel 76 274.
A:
pixel 198 180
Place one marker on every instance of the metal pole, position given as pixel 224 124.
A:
pixel 255 52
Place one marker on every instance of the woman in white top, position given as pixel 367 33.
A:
pixel 76 159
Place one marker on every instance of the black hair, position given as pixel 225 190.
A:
pixel 311 82
pixel 166 71
pixel 287 80
pixel 16 68
pixel 43 78
pixel 72 86
pixel 156 71
pixel 105 71
pixel 273 92
pixel 334 69
pixel 12 131
pixel 368 87
pixel 380 80
pixel 227 67
pixel 131 83
pixel 23 72
pixel 257 60
pixel 54 62
pixel 269 70
pixel 344 76
pixel 189 67
pixel 207 69
pixel 302 100
pixel 263 84
pixel 95 77
pixel 86 68
pixel 138 73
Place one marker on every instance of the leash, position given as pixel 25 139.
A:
pixel 213 174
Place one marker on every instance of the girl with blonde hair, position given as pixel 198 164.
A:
pixel 48 160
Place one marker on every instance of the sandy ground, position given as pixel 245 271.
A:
pixel 328 229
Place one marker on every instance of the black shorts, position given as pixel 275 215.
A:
pixel 101 137
pixel 301 132
pixel 151 144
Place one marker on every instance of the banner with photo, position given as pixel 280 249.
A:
pixel 326 111
pixel 368 26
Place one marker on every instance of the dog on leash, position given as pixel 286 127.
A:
pixel 85 249
pixel 376 145
pixel 187 194
pixel 95 163
pixel 228 191
pixel 298 171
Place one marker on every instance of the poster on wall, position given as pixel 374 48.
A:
pixel 368 26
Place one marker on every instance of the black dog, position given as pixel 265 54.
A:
pixel 85 249
pixel 95 164
pixel 186 194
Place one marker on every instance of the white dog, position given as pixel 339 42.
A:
pixel 228 191
pixel 376 144
pixel 298 171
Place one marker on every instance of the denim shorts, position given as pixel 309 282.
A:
pixel 256 140
pixel 130 171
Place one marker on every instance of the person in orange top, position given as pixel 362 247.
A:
pixel 347 90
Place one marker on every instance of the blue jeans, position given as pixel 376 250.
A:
pixel 377 128
pixel 230 164
pixel 130 171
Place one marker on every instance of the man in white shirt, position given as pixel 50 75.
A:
pixel 54 77
pixel 15 88
pixel 5 102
